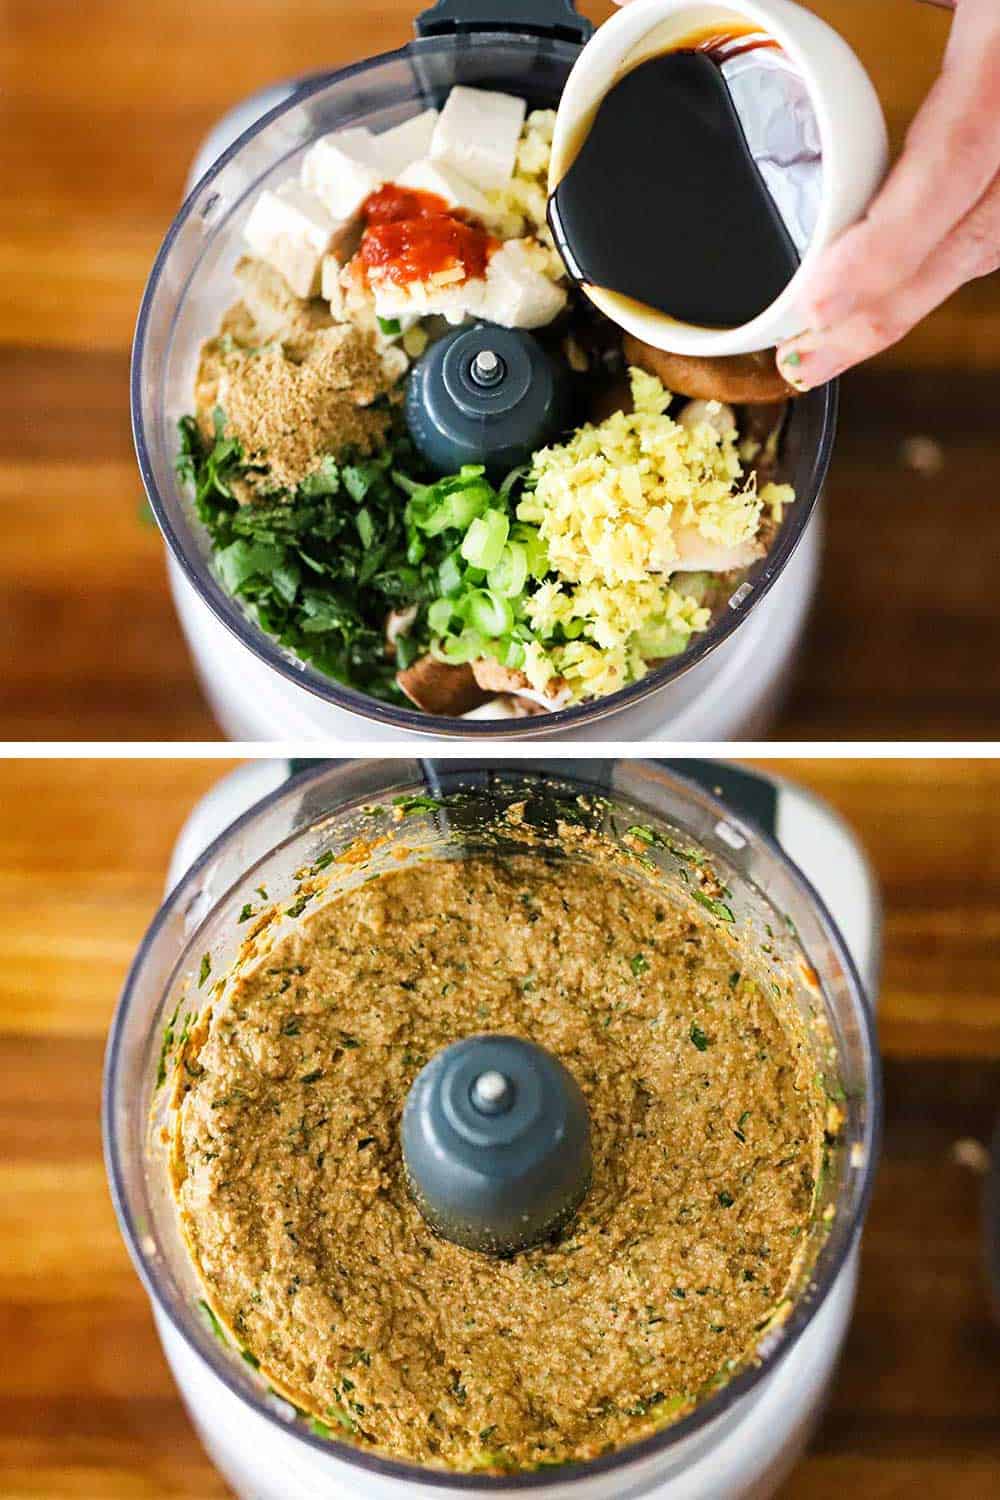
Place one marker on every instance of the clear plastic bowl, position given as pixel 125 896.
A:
pixel 191 284
pixel 322 809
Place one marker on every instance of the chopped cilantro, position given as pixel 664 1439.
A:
pixel 726 1199
pixel 212 1321
pixel 638 963
pixel 205 970
pixel 246 913
pixel 310 569
pixel 717 908
pixel 698 1037
pixel 420 802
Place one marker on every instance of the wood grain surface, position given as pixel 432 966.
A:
pixel 87 1408
pixel 102 106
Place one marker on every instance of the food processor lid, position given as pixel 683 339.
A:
pixel 555 18
pixel 305 813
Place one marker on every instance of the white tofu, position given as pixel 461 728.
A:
pixel 330 287
pixel 455 301
pixel 403 144
pixel 342 169
pixel 477 135
pixel 517 293
pixel 291 231
pixel 428 176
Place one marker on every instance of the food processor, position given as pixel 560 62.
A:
pixel 788 863
pixel 727 684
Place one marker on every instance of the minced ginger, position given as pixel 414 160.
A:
pixel 294 385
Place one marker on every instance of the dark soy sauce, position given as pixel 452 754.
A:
pixel 664 204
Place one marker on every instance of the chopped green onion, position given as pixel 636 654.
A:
pixel 488 613
pixel 514 655
pixel 510 573
pixel 535 548
pixel 450 574
pixel 457 649
pixel 485 539
pixel 390 327
pixel 439 616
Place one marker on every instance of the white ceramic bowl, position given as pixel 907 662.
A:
pixel 851 124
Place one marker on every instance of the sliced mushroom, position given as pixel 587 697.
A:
pixel 397 623
pixel 761 428
pixel 494 678
pixel 696 554
pixel 751 379
pixel 507 706
pixel 439 688
pixel 717 414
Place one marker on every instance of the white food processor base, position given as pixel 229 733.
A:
pixel 732 695
pixel 750 1456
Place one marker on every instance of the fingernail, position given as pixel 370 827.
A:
pixel 805 362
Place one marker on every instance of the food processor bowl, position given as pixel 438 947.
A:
pixel 191 284
pixel 409 810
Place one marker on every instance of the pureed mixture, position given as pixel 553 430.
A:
pixel 707 1118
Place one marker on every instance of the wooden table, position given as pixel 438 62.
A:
pixel 102 106
pixel 87 1408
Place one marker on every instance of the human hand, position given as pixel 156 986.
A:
pixel 934 226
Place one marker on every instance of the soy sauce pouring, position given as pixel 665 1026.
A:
pixel 664 203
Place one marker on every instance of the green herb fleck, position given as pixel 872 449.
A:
pixel 698 1037
pixel 205 970
pixel 212 1321
pixel 638 963
pixel 726 1199
pixel 417 803
pixel 717 908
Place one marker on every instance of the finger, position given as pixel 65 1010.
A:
pixel 971 250
pixel 951 155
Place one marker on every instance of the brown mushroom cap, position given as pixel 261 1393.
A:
pixel 742 379
pixel 439 688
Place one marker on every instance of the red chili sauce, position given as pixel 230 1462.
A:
pixel 409 235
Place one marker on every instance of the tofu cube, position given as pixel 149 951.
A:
pixel 404 144
pixel 428 176
pixel 517 294
pixel 455 301
pixel 477 135
pixel 330 285
pixel 342 169
pixel 291 231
